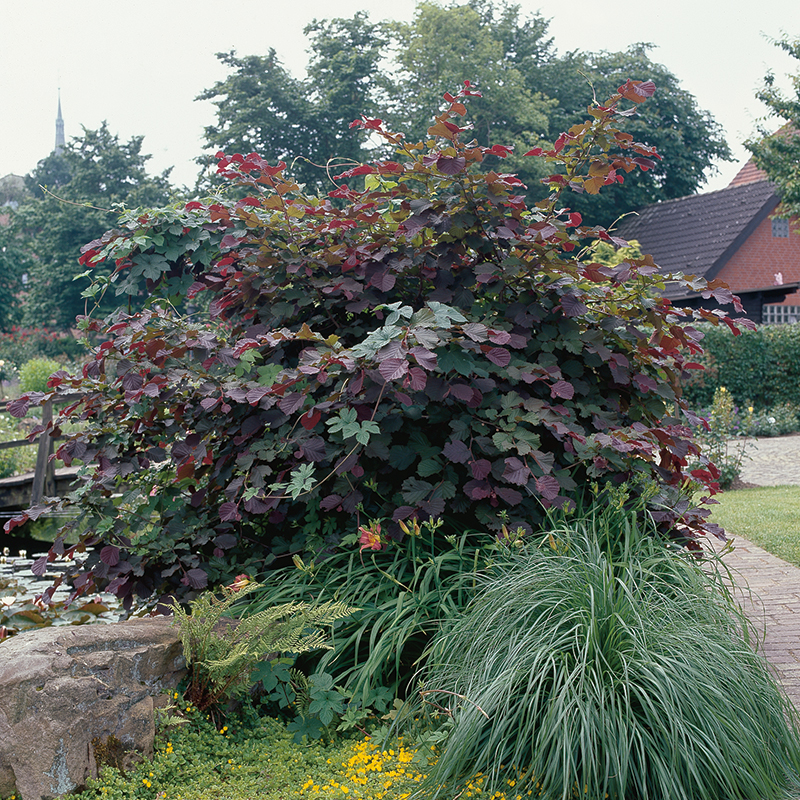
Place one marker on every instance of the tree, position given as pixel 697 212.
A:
pixel 687 138
pixel 778 152
pixel 442 48
pixel 93 174
pixel 262 108
pixel 14 263
pixel 426 347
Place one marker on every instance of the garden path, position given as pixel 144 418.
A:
pixel 771 587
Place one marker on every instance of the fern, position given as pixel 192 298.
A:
pixel 221 651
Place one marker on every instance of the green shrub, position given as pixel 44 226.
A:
pixel 424 347
pixel 761 367
pixel 34 374
pixel 22 344
pixel 602 664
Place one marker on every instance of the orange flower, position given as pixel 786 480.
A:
pixel 239 582
pixel 370 538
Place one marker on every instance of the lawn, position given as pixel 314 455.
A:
pixel 768 516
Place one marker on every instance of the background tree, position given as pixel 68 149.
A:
pixel 14 263
pixel 262 108
pixel 93 174
pixel 778 152
pixel 688 138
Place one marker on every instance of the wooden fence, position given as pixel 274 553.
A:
pixel 44 476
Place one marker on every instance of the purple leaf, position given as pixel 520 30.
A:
pixel 292 402
pixel 457 452
pixel 516 471
pixel 433 507
pixel 562 389
pixel 393 368
pixel 39 567
pixel 132 381
pixel 572 306
pixel 499 337
pixel 383 281
pixel 110 555
pixel 548 487
pixel 229 512
pixel 499 356
pixel 209 402
pixel 481 468
pixel 19 407
pixel 330 502
pixel 645 383
pixel 226 541
pixel 402 512
pixel 425 358
pixel 477 490
pixel 476 331
pixel 451 166
pixel 313 449
pixel 196 578
pixel 461 391
pixel 511 496
pixel 418 379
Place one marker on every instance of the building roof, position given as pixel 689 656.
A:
pixel 698 234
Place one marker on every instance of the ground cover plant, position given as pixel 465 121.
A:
pixel 590 667
pixel 419 344
pixel 766 516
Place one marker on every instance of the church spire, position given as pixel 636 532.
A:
pixel 59 127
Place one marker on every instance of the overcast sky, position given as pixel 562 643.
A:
pixel 140 64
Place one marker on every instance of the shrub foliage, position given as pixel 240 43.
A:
pixel 416 344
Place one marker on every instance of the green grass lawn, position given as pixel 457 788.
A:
pixel 768 516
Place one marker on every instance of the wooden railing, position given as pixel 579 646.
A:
pixel 44 476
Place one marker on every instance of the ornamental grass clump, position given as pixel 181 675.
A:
pixel 587 671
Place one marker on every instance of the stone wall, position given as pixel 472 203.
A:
pixel 71 695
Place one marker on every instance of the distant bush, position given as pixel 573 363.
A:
pixel 22 344
pixel 33 374
pixel 761 368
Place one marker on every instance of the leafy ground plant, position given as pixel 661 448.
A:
pixel 584 671
pixel 222 650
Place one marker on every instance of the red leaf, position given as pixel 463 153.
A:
pixel 310 419
pixel 637 91
pixel 185 471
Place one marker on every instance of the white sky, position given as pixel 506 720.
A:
pixel 140 64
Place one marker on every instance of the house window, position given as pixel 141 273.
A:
pixel 780 315
pixel 780 228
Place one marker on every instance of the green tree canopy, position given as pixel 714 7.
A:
pixel 94 173
pixel 262 108
pixel 778 152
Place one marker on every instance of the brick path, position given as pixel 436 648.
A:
pixel 769 590
pixel 773 599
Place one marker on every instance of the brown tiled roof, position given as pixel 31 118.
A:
pixel 696 235
pixel 749 173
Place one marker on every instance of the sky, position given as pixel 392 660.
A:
pixel 140 64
